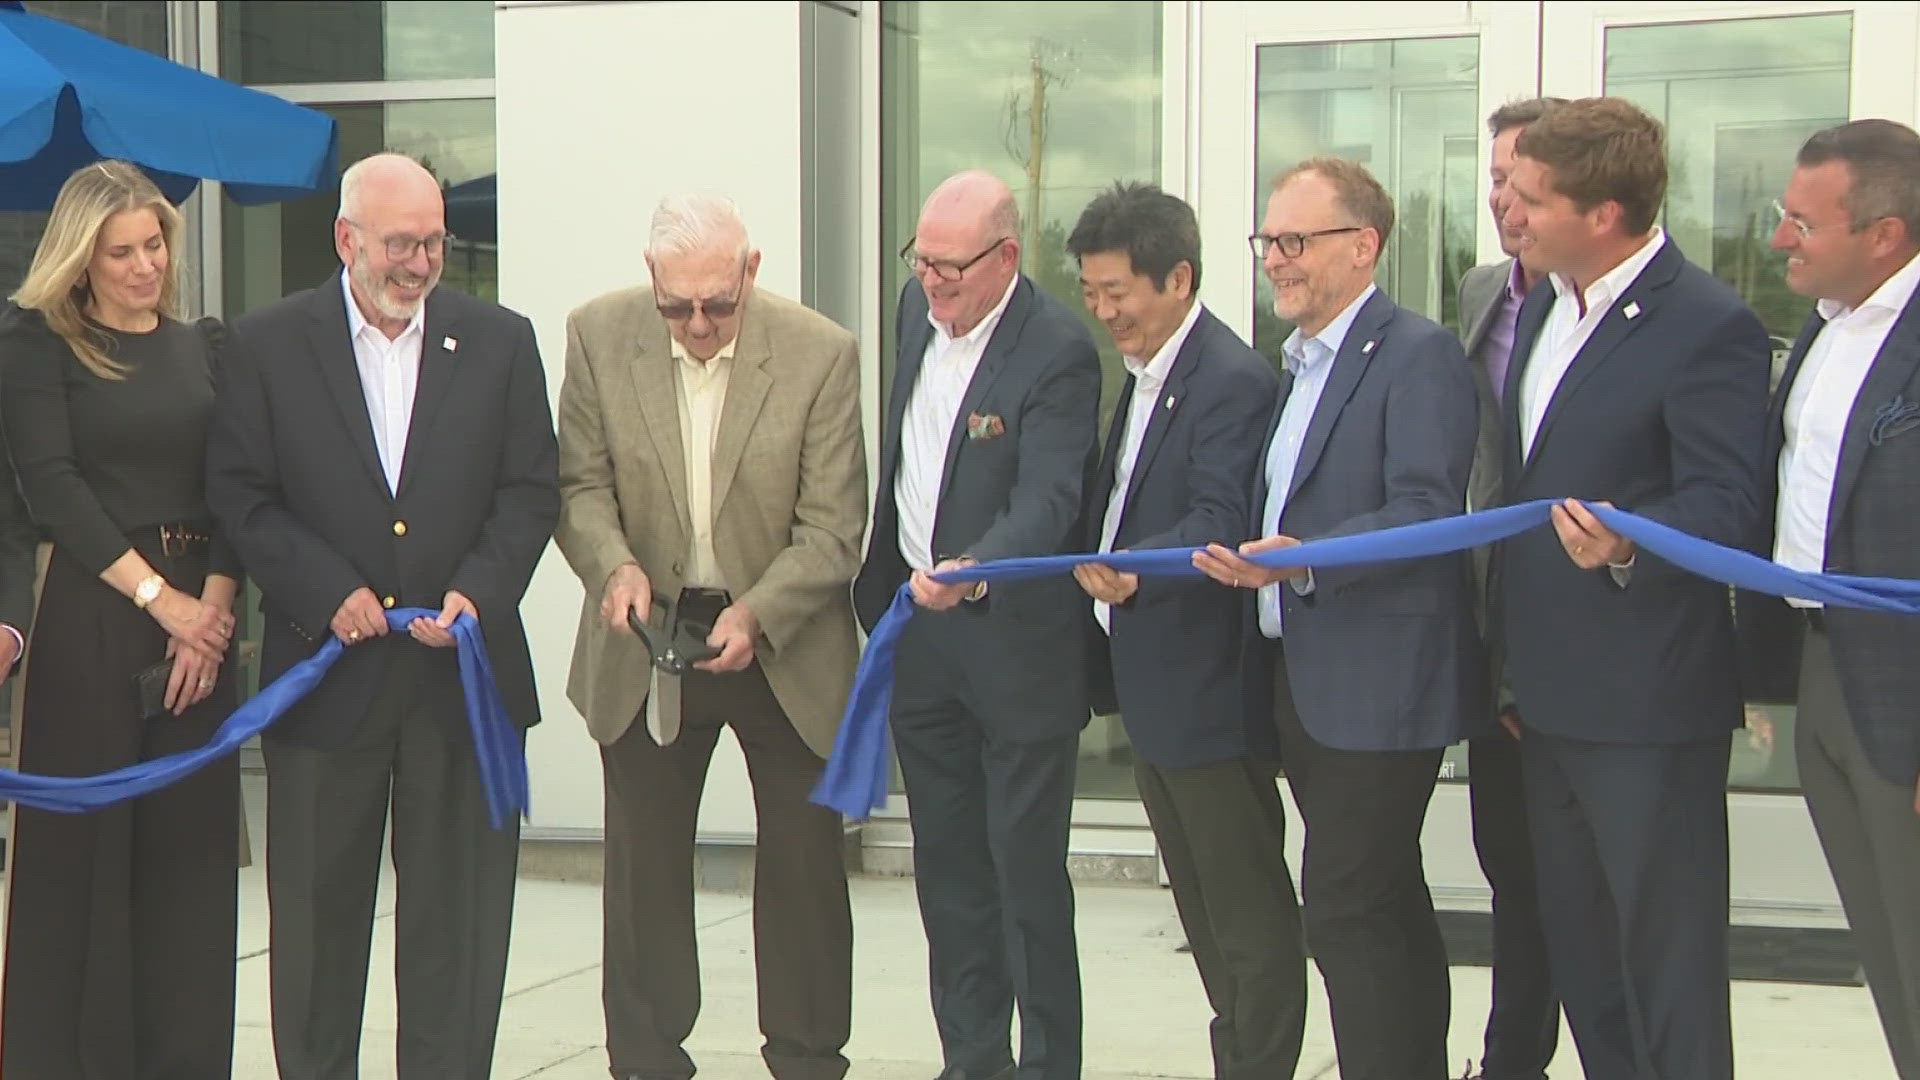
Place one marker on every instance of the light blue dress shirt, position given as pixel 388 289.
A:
pixel 1310 361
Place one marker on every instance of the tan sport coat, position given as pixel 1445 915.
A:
pixel 789 498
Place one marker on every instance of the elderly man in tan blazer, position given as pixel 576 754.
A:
pixel 711 455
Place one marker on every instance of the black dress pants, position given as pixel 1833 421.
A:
pixel 1523 1025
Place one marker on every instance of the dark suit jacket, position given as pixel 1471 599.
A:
pixel 1659 414
pixel 295 480
pixel 18 541
pixel 1172 665
pixel 1017 493
pixel 1873 529
pixel 1383 656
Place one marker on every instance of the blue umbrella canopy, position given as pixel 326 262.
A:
pixel 69 97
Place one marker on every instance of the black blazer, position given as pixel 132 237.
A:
pixel 1873 529
pixel 1014 493
pixel 1384 656
pixel 1172 665
pixel 1660 414
pixel 295 480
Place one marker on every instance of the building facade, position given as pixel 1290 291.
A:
pixel 555 126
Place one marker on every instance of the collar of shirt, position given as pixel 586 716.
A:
pixel 1154 372
pixel 1516 282
pixel 981 330
pixel 1294 350
pixel 357 323
pixel 1608 286
pixel 1887 301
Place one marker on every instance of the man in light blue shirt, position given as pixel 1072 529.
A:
pixel 1366 673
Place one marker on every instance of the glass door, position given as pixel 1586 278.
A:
pixel 1740 86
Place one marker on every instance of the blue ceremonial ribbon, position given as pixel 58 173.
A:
pixel 854 781
pixel 497 747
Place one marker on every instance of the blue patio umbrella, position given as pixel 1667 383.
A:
pixel 69 97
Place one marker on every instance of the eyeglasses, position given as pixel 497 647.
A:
pixel 945 270
pixel 714 307
pixel 400 247
pixel 1291 244
pixel 1800 226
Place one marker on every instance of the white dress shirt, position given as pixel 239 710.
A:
pixel 945 371
pixel 702 393
pixel 1818 406
pixel 389 379
pixel 1149 379
pixel 1567 330
pixel 1310 360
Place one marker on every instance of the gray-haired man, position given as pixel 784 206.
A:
pixel 711 456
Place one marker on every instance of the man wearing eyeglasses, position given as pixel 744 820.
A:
pixel 714 486
pixel 988 441
pixel 1367 673
pixel 381 442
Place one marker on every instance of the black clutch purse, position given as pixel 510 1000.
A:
pixel 151 685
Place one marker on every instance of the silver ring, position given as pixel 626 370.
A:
pixel 206 684
pixel 353 635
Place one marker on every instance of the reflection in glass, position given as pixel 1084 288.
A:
pixel 1058 99
pixel 1407 109
pixel 325 41
pixel 1738 98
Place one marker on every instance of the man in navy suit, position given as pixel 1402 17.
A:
pixel 1640 380
pixel 1368 673
pixel 988 440
pixel 1165 652
pixel 1843 452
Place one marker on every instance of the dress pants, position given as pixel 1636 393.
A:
pixel 454 877
pixel 1871 835
pixel 1523 1026
pixel 1369 917
pixel 1222 835
pixel 1630 842
pixel 990 818
pixel 120 923
pixel 802 928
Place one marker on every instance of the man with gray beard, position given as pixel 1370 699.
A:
pixel 381 443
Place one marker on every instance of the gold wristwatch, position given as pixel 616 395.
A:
pixel 148 590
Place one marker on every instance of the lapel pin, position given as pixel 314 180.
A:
pixel 1170 400
pixel 449 344
pixel 1367 349
pixel 1632 310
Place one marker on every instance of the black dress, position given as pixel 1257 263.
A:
pixel 120 923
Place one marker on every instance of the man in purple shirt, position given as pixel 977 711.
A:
pixel 1523 1027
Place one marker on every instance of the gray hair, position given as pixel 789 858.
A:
pixel 686 223
pixel 357 173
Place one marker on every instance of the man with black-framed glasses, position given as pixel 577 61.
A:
pixel 988 441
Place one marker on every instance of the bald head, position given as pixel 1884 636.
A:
pixel 968 248
pixel 390 235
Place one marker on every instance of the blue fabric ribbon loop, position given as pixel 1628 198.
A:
pixel 855 779
pixel 498 751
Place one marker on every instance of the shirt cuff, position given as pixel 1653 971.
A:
pixel 1304 584
pixel 19 642
pixel 1622 573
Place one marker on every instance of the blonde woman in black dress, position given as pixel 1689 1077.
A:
pixel 120 923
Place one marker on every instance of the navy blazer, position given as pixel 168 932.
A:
pixel 1384 656
pixel 1171 667
pixel 1659 413
pixel 1873 529
pixel 1016 491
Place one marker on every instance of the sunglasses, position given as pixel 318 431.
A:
pixel 714 307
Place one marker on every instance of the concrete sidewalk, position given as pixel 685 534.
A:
pixel 1146 1016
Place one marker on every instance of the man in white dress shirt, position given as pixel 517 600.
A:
pixel 1844 455
pixel 1181 449
pixel 988 440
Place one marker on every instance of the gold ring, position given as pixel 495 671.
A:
pixel 206 684
pixel 353 635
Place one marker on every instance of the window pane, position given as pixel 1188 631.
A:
pixel 1407 109
pixel 1058 99
pixel 1738 98
pixel 306 41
